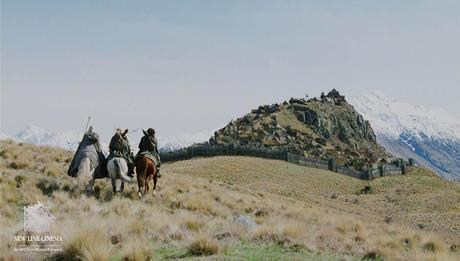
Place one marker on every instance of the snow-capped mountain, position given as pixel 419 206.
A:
pixel 70 139
pixel 67 140
pixel 174 143
pixel 431 136
pixel 34 135
pixel 38 136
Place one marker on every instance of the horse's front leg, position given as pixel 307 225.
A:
pixel 89 187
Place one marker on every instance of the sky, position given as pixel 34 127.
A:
pixel 188 66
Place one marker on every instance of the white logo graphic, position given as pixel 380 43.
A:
pixel 37 218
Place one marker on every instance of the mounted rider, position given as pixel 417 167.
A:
pixel 89 143
pixel 119 147
pixel 148 147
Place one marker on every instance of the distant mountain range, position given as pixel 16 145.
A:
pixel 70 139
pixel 430 136
pixel 36 135
pixel 174 143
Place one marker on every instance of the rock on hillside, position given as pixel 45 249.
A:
pixel 319 128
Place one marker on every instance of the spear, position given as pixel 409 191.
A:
pixel 87 123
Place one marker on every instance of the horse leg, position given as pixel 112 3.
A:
pixel 155 179
pixel 122 186
pixel 147 188
pixel 140 180
pixel 89 187
pixel 140 188
pixel 114 185
pixel 83 174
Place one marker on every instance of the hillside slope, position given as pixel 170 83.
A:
pixel 300 213
pixel 419 199
pixel 322 128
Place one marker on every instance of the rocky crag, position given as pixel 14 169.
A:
pixel 321 128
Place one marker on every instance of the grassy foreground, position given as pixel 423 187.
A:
pixel 300 213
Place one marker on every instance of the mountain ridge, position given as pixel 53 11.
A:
pixel 431 136
pixel 70 140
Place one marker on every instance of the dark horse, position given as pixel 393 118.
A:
pixel 146 171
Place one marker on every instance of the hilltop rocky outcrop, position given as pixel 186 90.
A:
pixel 324 127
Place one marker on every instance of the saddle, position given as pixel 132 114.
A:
pixel 148 155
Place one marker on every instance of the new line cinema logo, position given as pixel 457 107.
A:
pixel 37 226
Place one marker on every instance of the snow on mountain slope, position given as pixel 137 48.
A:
pixel 392 117
pixel 34 135
pixel 67 140
pixel 174 143
pixel 38 136
pixel 431 136
pixel 70 139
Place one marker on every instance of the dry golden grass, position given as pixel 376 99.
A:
pixel 198 200
pixel 87 242
pixel 419 199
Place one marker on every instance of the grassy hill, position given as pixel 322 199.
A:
pixel 301 213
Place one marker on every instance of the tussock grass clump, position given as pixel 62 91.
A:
pixel 48 186
pixel 89 243
pixel 203 246
pixel 20 163
pixel 137 250
pixel 19 180
pixel 192 222
pixel 53 170
pixel 372 256
pixel 434 246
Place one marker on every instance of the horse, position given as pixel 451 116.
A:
pixel 146 170
pixel 118 170
pixel 88 162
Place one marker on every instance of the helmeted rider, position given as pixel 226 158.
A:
pixel 119 147
pixel 148 147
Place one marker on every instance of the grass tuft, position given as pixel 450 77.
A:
pixel 203 247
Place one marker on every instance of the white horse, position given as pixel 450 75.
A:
pixel 85 175
pixel 88 162
pixel 118 170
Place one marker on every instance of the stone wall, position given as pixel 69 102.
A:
pixel 208 150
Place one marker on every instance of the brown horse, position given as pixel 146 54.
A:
pixel 146 171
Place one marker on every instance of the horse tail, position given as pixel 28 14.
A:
pixel 122 173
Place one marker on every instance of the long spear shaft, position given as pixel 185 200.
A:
pixel 87 123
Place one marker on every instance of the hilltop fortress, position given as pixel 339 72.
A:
pixel 318 128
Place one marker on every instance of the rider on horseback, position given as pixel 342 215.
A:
pixel 90 142
pixel 119 147
pixel 148 147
